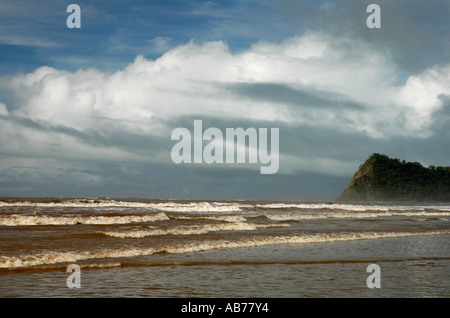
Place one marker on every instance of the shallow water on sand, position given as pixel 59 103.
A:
pixel 222 249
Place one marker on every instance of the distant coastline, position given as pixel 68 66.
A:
pixel 381 178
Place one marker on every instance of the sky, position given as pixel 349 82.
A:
pixel 89 112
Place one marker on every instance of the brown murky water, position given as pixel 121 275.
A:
pixel 145 248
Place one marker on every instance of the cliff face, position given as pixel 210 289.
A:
pixel 381 178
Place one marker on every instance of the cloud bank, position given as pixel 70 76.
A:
pixel 335 100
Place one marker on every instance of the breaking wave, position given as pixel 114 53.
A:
pixel 193 230
pixel 25 261
pixel 226 218
pixel 351 207
pixel 217 207
pixel 21 220
pixel 162 206
pixel 338 215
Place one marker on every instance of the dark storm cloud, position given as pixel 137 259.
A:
pixel 193 181
pixel 146 145
pixel 157 181
pixel 327 129
pixel 416 33
pixel 296 97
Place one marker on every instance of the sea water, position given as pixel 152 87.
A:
pixel 168 248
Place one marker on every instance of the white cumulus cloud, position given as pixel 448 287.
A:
pixel 333 83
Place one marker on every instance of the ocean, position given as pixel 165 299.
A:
pixel 175 249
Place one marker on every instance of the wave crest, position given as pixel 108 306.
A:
pixel 22 220
pixel 13 262
pixel 194 230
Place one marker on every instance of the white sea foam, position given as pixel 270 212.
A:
pixel 29 220
pixel 202 207
pixel 352 207
pixel 324 215
pixel 70 257
pixel 226 218
pixel 194 230
pixel 21 220
pixel 163 206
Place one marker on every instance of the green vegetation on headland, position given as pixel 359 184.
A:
pixel 381 178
